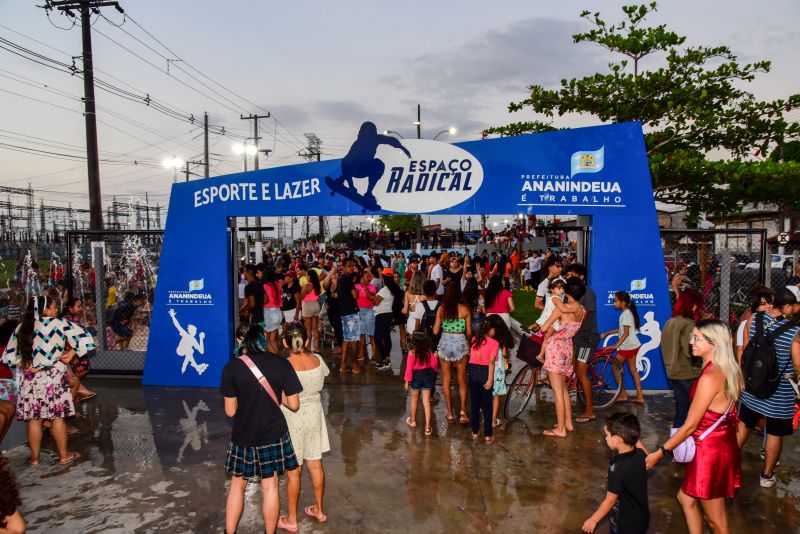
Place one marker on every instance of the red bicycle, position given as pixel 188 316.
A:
pixel 604 373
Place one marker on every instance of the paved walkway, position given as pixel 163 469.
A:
pixel 152 462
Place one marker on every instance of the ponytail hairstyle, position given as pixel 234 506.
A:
pixel 253 341
pixel 313 278
pixel 421 344
pixel 295 337
pixel 25 332
pixel 719 334
pixel 623 296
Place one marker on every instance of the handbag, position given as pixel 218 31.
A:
pixel 684 453
pixel 260 377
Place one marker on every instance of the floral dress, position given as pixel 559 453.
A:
pixel 44 386
pixel 558 353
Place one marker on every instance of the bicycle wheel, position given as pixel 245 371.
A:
pixel 519 393
pixel 606 387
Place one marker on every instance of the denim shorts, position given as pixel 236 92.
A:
pixel 367 318
pixel 453 347
pixel 351 327
pixel 272 319
pixel 423 379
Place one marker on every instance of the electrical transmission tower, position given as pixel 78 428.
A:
pixel 313 152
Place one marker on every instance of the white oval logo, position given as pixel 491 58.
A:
pixel 435 176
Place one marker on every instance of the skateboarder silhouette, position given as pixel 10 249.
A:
pixel 360 162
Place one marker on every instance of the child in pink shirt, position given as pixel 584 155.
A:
pixel 480 377
pixel 421 367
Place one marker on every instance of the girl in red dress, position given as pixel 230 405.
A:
pixel 715 471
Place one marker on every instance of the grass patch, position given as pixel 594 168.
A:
pixel 526 312
pixel 7 270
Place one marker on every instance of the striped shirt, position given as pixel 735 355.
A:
pixel 781 404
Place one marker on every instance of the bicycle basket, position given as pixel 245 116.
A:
pixel 529 348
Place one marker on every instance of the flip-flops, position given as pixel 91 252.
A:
pixel 311 511
pixel 410 423
pixel 283 525
pixel 551 434
pixel 88 396
pixel 428 432
pixel 31 464
pixel 582 419
pixel 463 420
pixel 71 459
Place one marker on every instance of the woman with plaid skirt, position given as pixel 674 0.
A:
pixel 260 445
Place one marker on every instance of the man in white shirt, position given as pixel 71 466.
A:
pixel 553 267
pixel 437 274
pixel 535 267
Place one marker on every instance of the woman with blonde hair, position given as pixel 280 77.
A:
pixel 715 471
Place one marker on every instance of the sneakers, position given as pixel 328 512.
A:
pixel 767 482
pixel 383 366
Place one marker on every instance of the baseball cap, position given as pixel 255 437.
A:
pixel 388 271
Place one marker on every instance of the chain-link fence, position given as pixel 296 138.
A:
pixel 114 273
pixel 722 265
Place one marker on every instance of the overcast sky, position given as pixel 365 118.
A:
pixel 321 67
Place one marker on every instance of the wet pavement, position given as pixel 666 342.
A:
pixel 152 461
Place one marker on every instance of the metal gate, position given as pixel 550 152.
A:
pixel 114 272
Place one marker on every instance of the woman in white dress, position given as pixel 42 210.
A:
pixel 307 427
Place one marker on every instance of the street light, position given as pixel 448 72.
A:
pixel 244 149
pixel 388 132
pixel 452 131
pixel 174 164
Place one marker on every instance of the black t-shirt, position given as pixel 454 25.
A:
pixel 455 276
pixel 627 478
pixel 588 330
pixel 288 296
pixel 258 420
pixel 344 292
pixel 256 290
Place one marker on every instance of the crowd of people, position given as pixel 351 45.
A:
pixel 453 315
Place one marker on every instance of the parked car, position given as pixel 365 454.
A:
pixel 777 261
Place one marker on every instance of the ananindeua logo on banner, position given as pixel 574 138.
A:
pixel 381 172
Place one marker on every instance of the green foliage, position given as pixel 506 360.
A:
pixel 398 222
pixel 788 152
pixel 690 106
pixel 339 238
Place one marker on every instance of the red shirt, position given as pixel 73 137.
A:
pixel 500 304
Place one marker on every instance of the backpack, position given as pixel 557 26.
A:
pixel 428 319
pixel 760 362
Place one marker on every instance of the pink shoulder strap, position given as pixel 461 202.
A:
pixel 260 377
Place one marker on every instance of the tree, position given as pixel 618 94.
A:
pixel 398 222
pixel 690 106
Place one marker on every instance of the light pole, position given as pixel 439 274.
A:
pixel 174 164
pixel 418 123
pixel 245 149
pixel 469 223
pixel 452 131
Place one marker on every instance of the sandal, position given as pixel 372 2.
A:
pixel 496 423
pixel 311 511
pixel 449 416
pixel 428 432
pixel 489 440
pixel 286 526
pixel 356 370
pixel 343 370
pixel 88 396
pixel 411 423
pixel 32 464
pixel 584 419
pixel 71 459
pixel 463 420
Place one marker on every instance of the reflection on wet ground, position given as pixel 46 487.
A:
pixel 152 462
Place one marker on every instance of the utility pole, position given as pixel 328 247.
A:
pixel 86 8
pixel 186 170
pixel 256 138
pixel 419 136
pixel 205 139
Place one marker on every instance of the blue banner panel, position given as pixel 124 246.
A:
pixel 600 171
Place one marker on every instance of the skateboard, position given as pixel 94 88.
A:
pixel 366 203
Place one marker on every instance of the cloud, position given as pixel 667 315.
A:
pixel 532 51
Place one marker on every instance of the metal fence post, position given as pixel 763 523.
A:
pixel 725 286
pixel 98 260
